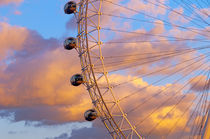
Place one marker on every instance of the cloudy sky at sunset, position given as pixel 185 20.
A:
pixel 36 98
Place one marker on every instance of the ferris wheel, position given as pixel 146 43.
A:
pixel 145 65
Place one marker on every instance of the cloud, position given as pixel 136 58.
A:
pixel 6 2
pixel 90 133
pixel 11 42
pixel 71 24
pixel 17 13
pixel 205 12
pixel 12 132
pixel 143 6
pixel 62 136
pixel 143 102
pixel 97 131
pixel 200 83
pixel 35 75
pixel 177 15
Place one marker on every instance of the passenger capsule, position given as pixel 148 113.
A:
pixel 90 115
pixel 70 43
pixel 70 7
pixel 77 80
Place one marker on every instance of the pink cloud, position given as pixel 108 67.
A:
pixel 12 38
pixel 5 2
pixel 177 15
pixel 17 13
pixel 200 85
pixel 39 76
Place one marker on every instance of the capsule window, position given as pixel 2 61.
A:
pixel 70 7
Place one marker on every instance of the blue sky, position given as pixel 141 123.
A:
pixel 46 17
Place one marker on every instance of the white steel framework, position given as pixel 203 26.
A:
pixel 117 125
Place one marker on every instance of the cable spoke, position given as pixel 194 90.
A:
pixel 179 101
pixel 153 83
pixel 159 106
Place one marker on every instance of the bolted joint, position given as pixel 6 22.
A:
pixel 98 28
pixel 99 13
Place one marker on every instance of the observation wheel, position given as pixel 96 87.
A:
pixel 145 65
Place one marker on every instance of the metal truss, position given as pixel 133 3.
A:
pixel 103 98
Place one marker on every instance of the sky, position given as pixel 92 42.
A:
pixel 36 98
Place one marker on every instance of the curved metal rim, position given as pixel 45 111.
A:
pixel 117 130
pixel 92 70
